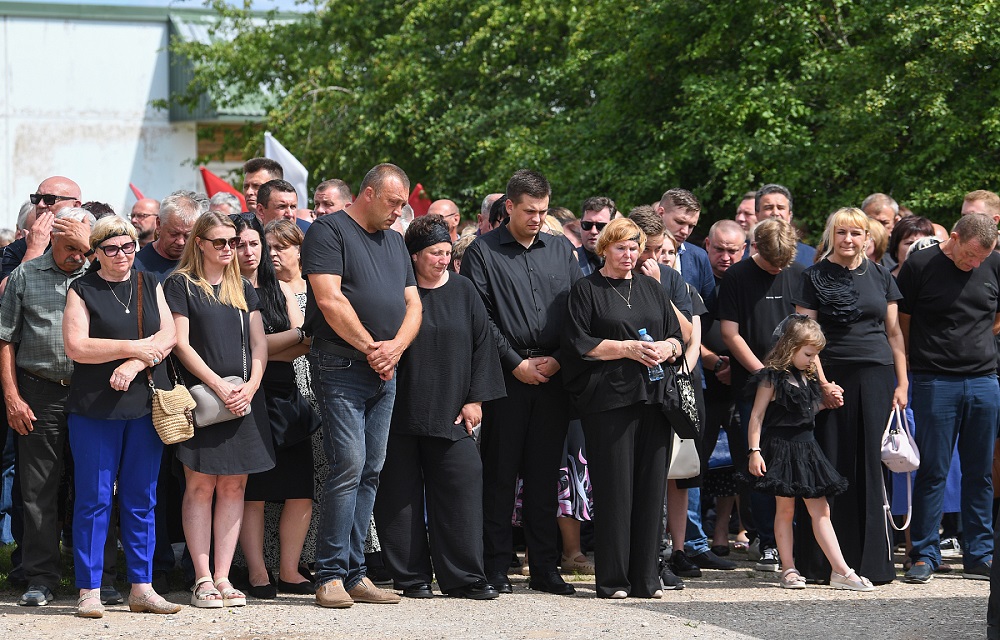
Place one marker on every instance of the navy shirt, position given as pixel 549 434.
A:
pixel 148 260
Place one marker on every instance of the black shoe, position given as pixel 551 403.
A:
pixel 380 576
pixel 263 592
pixel 161 582
pixel 708 560
pixel 478 590
pixel 306 573
pixel 110 595
pixel 551 582
pixel 681 565
pixel 501 583
pixel 515 562
pixel 419 590
pixel 919 573
pixel 669 581
pixel 980 572
pixel 721 550
pixel 301 588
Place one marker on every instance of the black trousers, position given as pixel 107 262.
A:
pixel 627 453
pixel 448 477
pixel 523 433
pixel 851 437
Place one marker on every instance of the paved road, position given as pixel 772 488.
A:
pixel 733 605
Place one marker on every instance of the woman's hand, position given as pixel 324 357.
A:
pixel 899 397
pixel 239 398
pixel 833 395
pixel 147 351
pixel 472 414
pixel 648 353
pixel 126 372
pixel 757 466
pixel 670 350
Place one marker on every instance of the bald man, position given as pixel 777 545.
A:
pixel 145 219
pixel 449 211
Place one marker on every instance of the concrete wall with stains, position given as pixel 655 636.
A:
pixel 75 100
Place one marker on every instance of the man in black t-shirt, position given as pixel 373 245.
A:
pixel 178 213
pixel 948 315
pixel 754 297
pixel 363 311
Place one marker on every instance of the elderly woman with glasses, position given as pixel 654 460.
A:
pixel 109 412
pixel 220 334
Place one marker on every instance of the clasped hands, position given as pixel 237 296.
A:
pixel 536 370
pixel 650 353
pixel 384 356
pixel 145 353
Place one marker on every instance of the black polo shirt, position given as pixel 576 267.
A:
pixel 525 290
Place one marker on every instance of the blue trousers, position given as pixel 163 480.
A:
pixel 104 451
pixel 952 409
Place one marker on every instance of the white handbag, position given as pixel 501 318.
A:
pixel 684 459
pixel 899 454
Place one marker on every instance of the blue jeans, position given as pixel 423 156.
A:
pixel 695 540
pixel 949 409
pixel 6 486
pixel 356 407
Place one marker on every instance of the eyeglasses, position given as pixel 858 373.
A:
pixel 48 198
pixel 143 216
pixel 587 225
pixel 220 243
pixel 111 250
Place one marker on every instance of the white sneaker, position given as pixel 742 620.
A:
pixel 951 548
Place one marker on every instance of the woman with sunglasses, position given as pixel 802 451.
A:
pixel 219 334
pixel 290 482
pixel 109 413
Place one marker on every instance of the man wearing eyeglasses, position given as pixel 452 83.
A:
pixel 53 195
pixel 449 211
pixel 145 218
pixel 597 213
pixel 35 373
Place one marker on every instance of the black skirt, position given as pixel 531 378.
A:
pixel 796 466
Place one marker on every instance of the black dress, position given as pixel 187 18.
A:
pixel 796 466
pixel 234 447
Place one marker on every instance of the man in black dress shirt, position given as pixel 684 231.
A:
pixel 524 278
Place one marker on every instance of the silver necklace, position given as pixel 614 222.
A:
pixel 124 305
pixel 628 300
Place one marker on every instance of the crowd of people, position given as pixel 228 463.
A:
pixel 397 395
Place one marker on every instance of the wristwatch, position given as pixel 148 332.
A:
pixel 752 449
pixel 718 365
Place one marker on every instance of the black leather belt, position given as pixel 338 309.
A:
pixel 335 349
pixel 34 378
pixel 534 353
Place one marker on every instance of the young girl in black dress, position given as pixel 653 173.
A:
pixel 787 400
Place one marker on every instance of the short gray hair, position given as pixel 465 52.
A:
pixel 181 205
pixel 199 197
pixel 880 201
pixel 227 199
pixel 22 215
pixel 76 213
pixel 979 227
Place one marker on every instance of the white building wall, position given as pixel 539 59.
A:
pixel 75 101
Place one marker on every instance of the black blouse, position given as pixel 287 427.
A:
pixel 598 312
pixel 453 361
pixel 90 392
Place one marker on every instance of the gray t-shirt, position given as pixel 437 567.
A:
pixel 374 268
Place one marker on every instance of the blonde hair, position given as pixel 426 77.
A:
pixel 797 331
pixel 775 241
pixel 879 239
pixel 554 226
pixel 620 230
pixel 111 227
pixel 843 218
pixel 192 264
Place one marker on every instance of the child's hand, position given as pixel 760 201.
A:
pixel 833 395
pixel 757 466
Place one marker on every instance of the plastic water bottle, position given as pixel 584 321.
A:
pixel 656 371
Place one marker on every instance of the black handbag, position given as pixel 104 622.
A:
pixel 292 419
pixel 679 403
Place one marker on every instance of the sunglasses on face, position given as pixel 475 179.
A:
pixel 587 225
pixel 220 243
pixel 48 198
pixel 111 250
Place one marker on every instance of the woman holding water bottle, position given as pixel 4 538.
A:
pixel 617 383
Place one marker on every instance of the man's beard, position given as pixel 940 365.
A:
pixel 146 236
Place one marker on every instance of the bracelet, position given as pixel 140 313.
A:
pixel 718 364
pixel 752 449
pixel 302 334
pixel 673 349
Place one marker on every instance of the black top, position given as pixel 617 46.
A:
pixel 757 301
pixel 951 313
pixel 677 290
pixel 452 361
pixel 711 328
pixel 597 313
pixel 589 262
pixel 851 308
pixel 13 255
pixel 524 290
pixel 90 393
pixel 374 267
pixel 149 261
pixel 796 398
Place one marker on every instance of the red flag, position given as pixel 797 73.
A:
pixel 214 184
pixel 420 201
pixel 135 191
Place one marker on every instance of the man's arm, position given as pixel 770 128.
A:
pixel 386 354
pixel 19 414
pixel 338 312
pixel 904 328
pixel 739 347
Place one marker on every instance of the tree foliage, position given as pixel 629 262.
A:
pixel 833 98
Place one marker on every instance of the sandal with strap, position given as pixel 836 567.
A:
pixel 95 610
pixel 231 596
pixel 580 564
pixel 201 599
pixel 152 602
pixel 857 583
pixel 792 579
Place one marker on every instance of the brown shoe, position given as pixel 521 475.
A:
pixel 333 596
pixel 366 591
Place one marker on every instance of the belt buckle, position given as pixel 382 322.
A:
pixel 532 353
